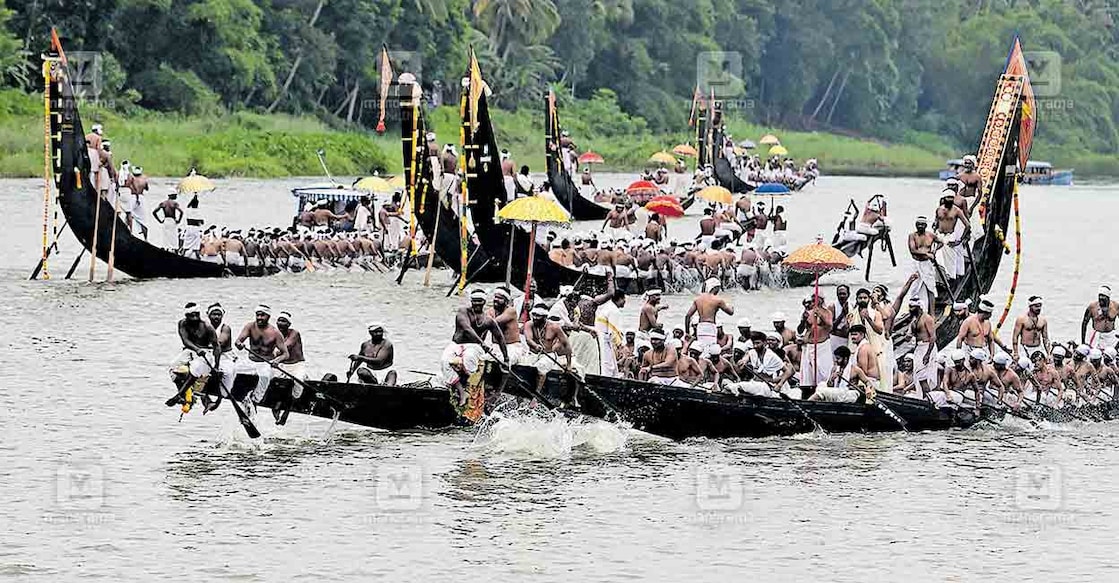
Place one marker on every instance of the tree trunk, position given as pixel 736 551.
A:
pixel 337 112
pixel 353 101
pixel 298 60
pixel 322 93
pixel 838 95
pixel 827 92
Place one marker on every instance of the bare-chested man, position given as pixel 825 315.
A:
pixel 266 349
pixel 952 227
pixel 505 314
pixel 788 335
pixel 866 358
pixel 985 377
pixel 922 248
pixel 324 216
pixel 923 328
pixel 137 185
pixel 816 351
pixel 1101 313
pixel 1010 381
pixel 650 312
pixel 1031 331
pixel 653 229
pixel 975 332
pixel 659 362
pixel 200 346
pixel 616 222
pixel 462 357
pixel 375 354
pixel 707 306
pixel 969 179
pixel 233 250
pixel 172 215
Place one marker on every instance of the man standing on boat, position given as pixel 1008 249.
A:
pixel 508 176
pixel 138 185
pixel 969 179
pixel 1101 313
pixel 266 350
pixel 608 324
pixel 923 329
pixel 375 354
pixel 922 247
pixel 816 354
pixel 448 162
pixel 522 184
pixel 952 227
pixel 392 224
pixel 1031 331
pixel 707 306
pixel 840 313
pixel 650 312
pixel 172 216
pixel 658 364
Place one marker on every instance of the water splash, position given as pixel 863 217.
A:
pixel 537 432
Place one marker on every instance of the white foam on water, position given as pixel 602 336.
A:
pixel 540 433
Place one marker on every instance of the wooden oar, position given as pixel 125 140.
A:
pixel 582 384
pixel 215 374
pixel 431 246
pixel 96 225
pixel 74 265
pixel 472 279
pixel 802 411
pixel 113 236
pixel 50 250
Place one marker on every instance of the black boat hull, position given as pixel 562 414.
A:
pixel 683 413
pixel 563 187
pixel 92 219
pixel 392 408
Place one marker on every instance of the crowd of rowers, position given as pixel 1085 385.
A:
pixel 262 350
pixel 754 170
pixel 834 351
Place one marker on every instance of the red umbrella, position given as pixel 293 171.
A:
pixel 817 259
pixel 665 206
pixel 642 190
pixel 590 158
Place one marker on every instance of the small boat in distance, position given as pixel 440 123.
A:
pixel 1036 173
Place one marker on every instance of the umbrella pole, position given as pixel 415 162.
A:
pixel 509 263
pixel 96 226
pixel 531 256
pixel 815 343
pixel 113 238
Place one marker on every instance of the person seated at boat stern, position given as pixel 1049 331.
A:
pixel 266 350
pixel 844 380
pixel 463 357
pixel 375 354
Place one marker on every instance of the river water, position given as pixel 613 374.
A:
pixel 100 480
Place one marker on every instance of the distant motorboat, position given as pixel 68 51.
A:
pixel 1036 173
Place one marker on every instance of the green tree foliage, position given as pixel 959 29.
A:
pixel 904 70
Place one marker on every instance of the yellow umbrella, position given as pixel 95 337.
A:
pixel 397 182
pixel 195 183
pixel 533 210
pixel 662 158
pixel 685 150
pixel 769 140
pixel 716 194
pixel 778 150
pixel 373 184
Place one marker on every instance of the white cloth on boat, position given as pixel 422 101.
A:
pixel 393 234
pixel 192 238
pixel 925 284
pixel 921 371
pixel 263 372
pixel 706 334
pixel 1102 340
pixel 756 388
pixel 815 363
pixel 836 394
pixel 952 255
pixel 170 235
pixel 234 258
pixel 608 324
pixel 770 364
pixel 196 365
pixel 470 355
pixel 211 259
pixel 585 351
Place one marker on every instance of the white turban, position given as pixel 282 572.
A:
pixel 264 309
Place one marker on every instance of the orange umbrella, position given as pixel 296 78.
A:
pixel 590 158
pixel 685 150
pixel 817 259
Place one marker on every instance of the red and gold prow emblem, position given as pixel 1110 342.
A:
pixel 1004 110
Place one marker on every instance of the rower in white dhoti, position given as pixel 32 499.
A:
pixel 922 247
pixel 266 349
